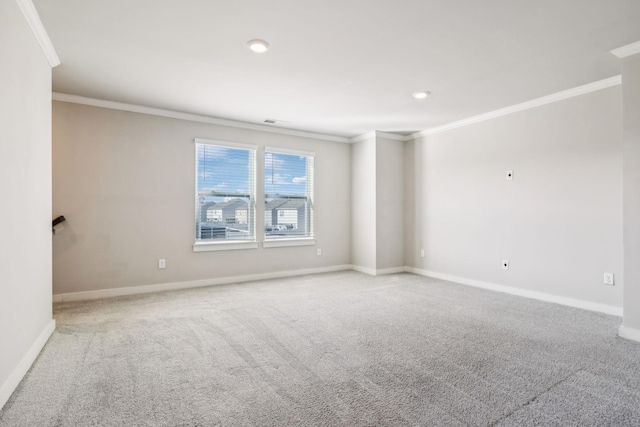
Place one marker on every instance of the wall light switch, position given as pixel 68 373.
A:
pixel 608 279
pixel 162 263
pixel 319 252
pixel 505 264
pixel 509 175
pixel 422 253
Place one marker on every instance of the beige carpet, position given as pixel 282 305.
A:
pixel 339 349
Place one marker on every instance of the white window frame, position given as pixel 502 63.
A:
pixel 308 240
pixel 207 245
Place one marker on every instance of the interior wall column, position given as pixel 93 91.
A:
pixel 630 56
pixel 377 197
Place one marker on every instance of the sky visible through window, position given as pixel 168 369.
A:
pixel 223 170
pixel 285 174
pixel 226 171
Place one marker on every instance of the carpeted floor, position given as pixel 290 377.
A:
pixel 339 349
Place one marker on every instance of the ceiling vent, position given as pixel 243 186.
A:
pixel 275 122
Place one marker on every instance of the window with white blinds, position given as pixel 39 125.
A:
pixel 225 191
pixel 288 194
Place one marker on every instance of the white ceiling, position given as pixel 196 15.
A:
pixel 339 67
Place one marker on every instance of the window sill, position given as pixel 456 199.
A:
pixel 223 246
pixel 279 243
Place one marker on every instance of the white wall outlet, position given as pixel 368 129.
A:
pixel 505 264
pixel 162 263
pixel 509 175
pixel 319 252
pixel 422 253
pixel 608 279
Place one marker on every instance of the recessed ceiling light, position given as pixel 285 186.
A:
pixel 421 95
pixel 258 46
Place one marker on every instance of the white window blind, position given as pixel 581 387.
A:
pixel 288 187
pixel 225 192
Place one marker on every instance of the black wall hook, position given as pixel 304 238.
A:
pixel 58 221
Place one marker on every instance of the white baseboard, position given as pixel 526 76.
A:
pixel 392 270
pixel 145 289
pixel 135 290
pixel 571 302
pixel 365 270
pixel 19 372
pixel 629 333
pixel 380 272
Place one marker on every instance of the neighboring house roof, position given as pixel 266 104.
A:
pixel 274 204
pixel 231 204
pixel 292 204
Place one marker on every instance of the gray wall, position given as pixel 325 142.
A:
pixel 125 183
pixel 363 208
pixel 25 185
pixel 559 222
pixel 389 203
pixel 631 88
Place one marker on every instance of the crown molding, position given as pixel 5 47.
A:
pixel 380 134
pixel 559 96
pixel 31 14
pixel 389 135
pixel 75 99
pixel 627 50
pixel 363 137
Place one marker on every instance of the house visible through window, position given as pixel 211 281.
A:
pixel 225 191
pixel 288 187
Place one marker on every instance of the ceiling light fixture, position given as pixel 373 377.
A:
pixel 421 95
pixel 258 46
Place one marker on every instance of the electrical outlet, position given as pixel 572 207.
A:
pixel 509 175
pixel 608 279
pixel 162 263
pixel 505 264
pixel 319 252
pixel 422 253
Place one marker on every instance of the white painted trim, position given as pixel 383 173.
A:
pixel 223 246
pixel 280 243
pixel 363 137
pixel 31 14
pixel 380 272
pixel 389 135
pixel 136 290
pixel 75 99
pixel 559 96
pixel 289 151
pixel 627 50
pixel 580 90
pixel 392 270
pixel 365 270
pixel 571 302
pixel 629 333
pixel 25 364
pixel 380 134
pixel 226 144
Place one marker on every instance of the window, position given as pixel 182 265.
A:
pixel 225 192
pixel 288 198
